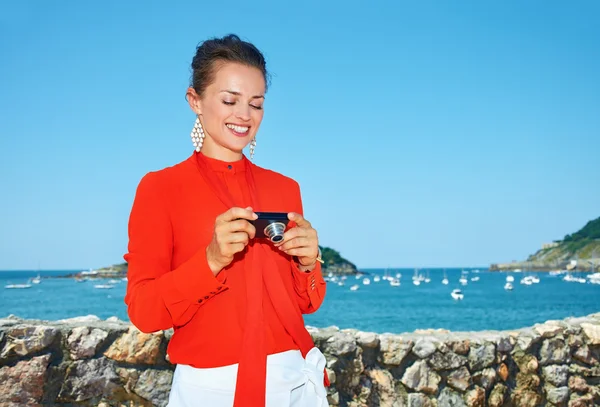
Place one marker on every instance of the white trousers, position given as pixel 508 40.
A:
pixel 292 381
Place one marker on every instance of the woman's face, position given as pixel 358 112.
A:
pixel 231 110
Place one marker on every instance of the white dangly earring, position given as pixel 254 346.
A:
pixel 198 134
pixel 252 147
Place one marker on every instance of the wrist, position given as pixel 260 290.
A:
pixel 308 268
pixel 214 266
pixel 313 264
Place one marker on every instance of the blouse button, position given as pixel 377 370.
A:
pixel 206 298
pixel 200 301
pixel 229 167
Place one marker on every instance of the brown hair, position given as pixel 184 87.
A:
pixel 230 48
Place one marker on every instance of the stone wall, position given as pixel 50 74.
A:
pixel 86 361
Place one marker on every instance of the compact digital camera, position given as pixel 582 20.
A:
pixel 271 225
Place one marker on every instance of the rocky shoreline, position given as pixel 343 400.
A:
pixel 544 267
pixel 91 362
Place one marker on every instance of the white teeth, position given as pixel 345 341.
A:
pixel 238 129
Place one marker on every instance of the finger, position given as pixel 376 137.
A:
pixel 292 234
pixel 236 247
pixel 299 219
pixel 241 225
pixel 238 237
pixel 298 232
pixel 295 243
pixel 237 213
pixel 301 252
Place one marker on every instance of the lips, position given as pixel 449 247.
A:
pixel 239 131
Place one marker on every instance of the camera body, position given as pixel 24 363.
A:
pixel 271 225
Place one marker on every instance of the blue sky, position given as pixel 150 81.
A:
pixel 423 134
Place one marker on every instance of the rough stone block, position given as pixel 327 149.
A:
pixel 136 347
pixel 23 384
pixel 421 378
pixel 394 349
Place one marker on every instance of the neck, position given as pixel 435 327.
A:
pixel 213 150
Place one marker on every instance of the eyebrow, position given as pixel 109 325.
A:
pixel 239 94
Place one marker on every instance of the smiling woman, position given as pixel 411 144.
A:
pixel 227 97
pixel 196 263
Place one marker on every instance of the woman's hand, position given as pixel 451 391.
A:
pixel 302 242
pixel 232 234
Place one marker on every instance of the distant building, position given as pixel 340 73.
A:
pixel 549 245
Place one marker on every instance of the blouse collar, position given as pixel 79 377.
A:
pixel 223 166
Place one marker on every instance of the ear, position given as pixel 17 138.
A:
pixel 194 100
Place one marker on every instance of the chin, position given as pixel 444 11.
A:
pixel 237 146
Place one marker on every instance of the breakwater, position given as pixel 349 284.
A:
pixel 91 362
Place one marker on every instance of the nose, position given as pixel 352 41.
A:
pixel 242 112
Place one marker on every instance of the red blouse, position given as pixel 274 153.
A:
pixel 169 281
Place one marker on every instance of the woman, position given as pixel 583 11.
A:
pixel 235 301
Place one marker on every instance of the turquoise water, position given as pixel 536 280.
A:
pixel 377 307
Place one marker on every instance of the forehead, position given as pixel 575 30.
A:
pixel 236 77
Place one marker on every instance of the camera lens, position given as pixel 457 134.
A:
pixel 274 231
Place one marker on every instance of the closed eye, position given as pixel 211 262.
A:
pixel 225 102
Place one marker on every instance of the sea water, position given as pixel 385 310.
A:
pixel 376 307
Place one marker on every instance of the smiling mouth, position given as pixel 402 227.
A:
pixel 239 131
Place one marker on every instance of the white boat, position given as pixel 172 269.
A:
pixel 103 286
pixel 535 279
pixel 394 282
pixel 445 279
pixel 463 278
pixel 354 287
pixel 510 279
pixel 36 280
pixel 366 281
pixel 508 286
pixel 517 270
pixel 17 286
pixel 114 282
pixel 376 278
pixel 457 294
pixel 594 278
pixel 341 283
pixel 571 279
pixel 526 280
pixel 417 278
pixel 476 278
